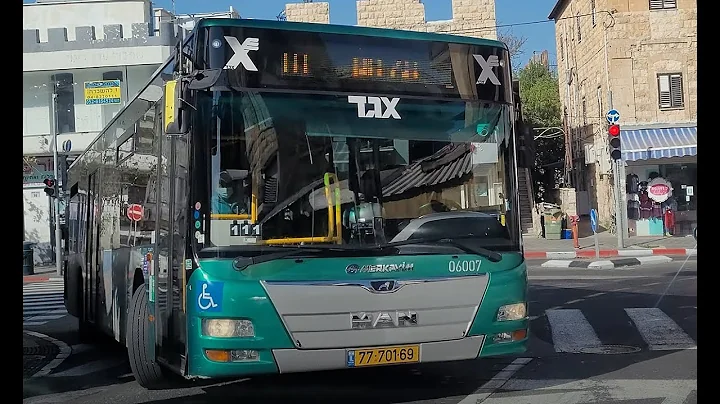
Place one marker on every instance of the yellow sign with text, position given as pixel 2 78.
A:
pixel 102 92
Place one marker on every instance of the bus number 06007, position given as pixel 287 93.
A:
pixel 464 266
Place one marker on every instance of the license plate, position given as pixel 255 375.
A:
pixel 383 356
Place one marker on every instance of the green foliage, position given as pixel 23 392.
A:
pixel 541 109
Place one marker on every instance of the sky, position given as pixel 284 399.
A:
pixel 539 36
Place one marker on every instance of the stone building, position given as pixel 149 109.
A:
pixel 638 57
pixel 470 17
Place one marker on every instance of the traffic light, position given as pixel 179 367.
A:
pixel 50 187
pixel 614 132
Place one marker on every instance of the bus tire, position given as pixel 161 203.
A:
pixel 146 370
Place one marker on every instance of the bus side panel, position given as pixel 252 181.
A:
pixel 113 300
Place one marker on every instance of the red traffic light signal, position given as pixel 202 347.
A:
pixel 614 130
pixel 49 186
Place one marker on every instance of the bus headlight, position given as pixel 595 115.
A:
pixel 227 328
pixel 510 312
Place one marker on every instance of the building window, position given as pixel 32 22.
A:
pixel 577 23
pixel 599 102
pixel 584 112
pixel 670 90
pixel 662 4
pixel 65 102
pixel 592 12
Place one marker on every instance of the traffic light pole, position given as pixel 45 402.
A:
pixel 56 160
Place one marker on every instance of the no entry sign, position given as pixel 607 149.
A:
pixel 135 212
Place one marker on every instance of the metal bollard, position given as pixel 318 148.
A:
pixel 574 219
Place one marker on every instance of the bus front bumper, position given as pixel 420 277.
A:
pixel 241 363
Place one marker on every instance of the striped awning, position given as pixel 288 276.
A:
pixel 643 144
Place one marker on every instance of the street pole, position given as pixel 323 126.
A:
pixel 58 234
pixel 616 164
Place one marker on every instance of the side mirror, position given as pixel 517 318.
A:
pixel 175 114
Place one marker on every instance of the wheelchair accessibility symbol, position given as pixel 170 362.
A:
pixel 210 296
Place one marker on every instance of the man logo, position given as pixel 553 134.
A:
pixel 383 319
pixel 487 72
pixel 376 110
pixel 240 53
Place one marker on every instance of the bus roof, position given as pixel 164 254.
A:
pixel 346 29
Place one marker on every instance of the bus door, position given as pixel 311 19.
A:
pixel 173 226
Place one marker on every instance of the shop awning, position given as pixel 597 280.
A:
pixel 643 144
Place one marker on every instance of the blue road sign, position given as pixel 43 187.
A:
pixel 593 220
pixel 613 116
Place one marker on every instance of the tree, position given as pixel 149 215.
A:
pixel 541 109
pixel 514 43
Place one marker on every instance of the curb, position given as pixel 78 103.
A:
pixel 39 278
pixel 590 253
pixel 607 264
pixel 35 278
pixel 64 353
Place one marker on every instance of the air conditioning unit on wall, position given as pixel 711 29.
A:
pixel 590 157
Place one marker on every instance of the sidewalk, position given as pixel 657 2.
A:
pixel 41 274
pixel 634 247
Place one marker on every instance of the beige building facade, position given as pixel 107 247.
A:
pixel 638 57
pixel 474 18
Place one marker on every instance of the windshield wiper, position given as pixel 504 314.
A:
pixel 483 252
pixel 242 263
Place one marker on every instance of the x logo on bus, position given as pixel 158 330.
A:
pixel 487 72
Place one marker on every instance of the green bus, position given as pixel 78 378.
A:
pixel 289 197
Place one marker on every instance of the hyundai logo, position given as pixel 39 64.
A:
pixel 352 268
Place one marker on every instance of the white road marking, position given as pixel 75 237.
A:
pixel 596 294
pixel 583 277
pixel 571 332
pixel 43 302
pixel 574 301
pixel 562 391
pixel 487 389
pixel 659 331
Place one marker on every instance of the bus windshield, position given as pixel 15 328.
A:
pixel 337 169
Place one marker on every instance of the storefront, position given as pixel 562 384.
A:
pixel 661 180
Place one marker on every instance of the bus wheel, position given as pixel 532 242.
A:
pixel 147 372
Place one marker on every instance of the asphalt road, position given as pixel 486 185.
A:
pixel 597 337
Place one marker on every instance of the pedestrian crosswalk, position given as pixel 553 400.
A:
pixel 43 302
pixel 572 332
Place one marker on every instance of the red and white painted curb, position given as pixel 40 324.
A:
pixel 39 278
pixel 590 253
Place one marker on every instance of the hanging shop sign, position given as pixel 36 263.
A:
pixel 659 190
